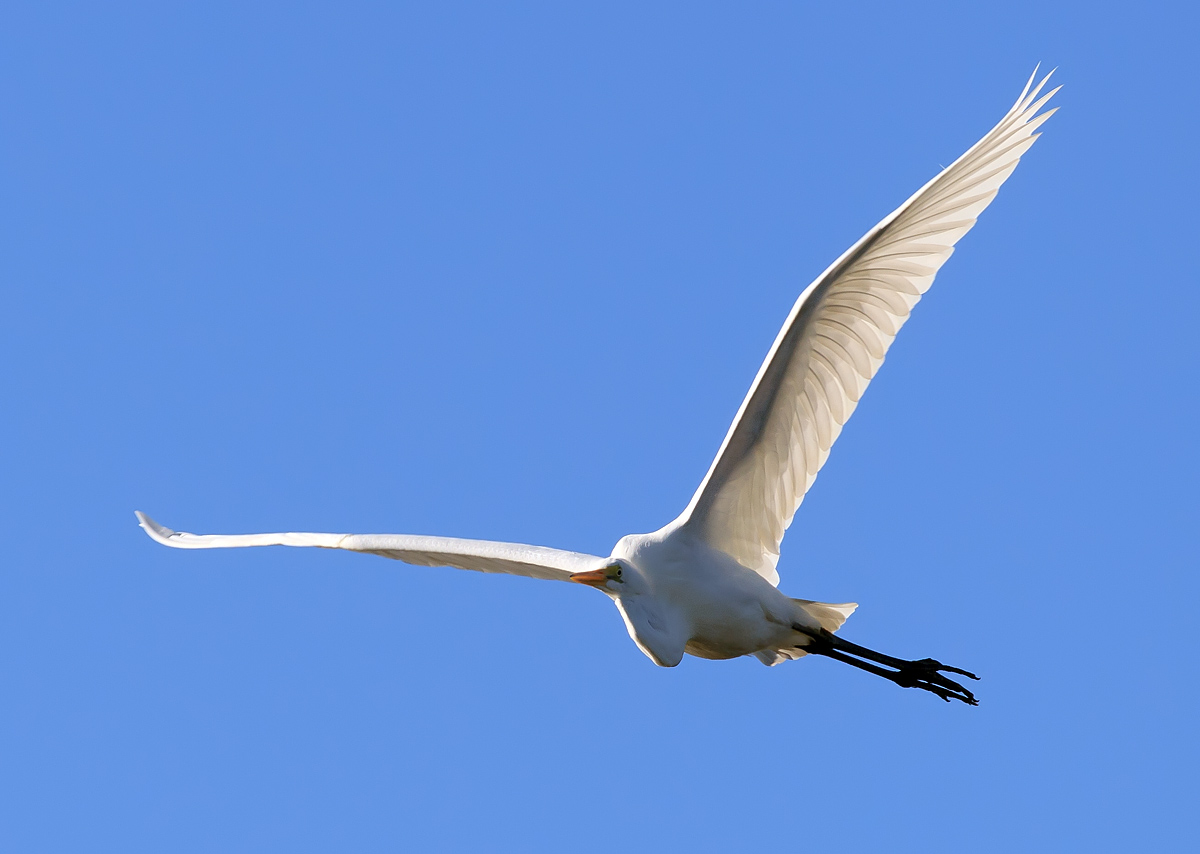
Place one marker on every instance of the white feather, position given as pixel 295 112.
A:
pixel 834 341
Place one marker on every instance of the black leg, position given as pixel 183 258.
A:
pixel 924 674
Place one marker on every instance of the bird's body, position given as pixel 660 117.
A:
pixel 705 603
pixel 709 605
pixel 706 584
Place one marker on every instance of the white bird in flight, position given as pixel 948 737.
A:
pixel 706 583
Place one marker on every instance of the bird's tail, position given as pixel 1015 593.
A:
pixel 830 617
pixel 827 616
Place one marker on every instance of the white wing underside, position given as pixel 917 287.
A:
pixel 477 555
pixel 834 341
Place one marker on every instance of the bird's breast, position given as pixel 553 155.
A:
pixel 727 621
pixel 717 608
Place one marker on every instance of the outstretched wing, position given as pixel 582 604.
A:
pixel 477 555
pixel 834 341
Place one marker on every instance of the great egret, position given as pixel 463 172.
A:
pixel 706 583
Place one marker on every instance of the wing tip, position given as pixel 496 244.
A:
pixel 158 533
pixel 1030 92
pixel 1028 84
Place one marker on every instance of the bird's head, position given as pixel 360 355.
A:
pixel 618 578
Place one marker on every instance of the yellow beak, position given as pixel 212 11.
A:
pixel 595 578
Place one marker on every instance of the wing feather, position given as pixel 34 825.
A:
pixel 834 341
pixel 476 555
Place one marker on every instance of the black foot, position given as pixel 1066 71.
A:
pixel 926 674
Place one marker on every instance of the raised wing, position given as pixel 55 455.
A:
pixel 477 555
pixel 834 341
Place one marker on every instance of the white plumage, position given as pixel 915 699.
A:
pixel 706 583
pixel 479 555
pixel 834 341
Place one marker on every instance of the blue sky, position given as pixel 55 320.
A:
pixel 506 271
